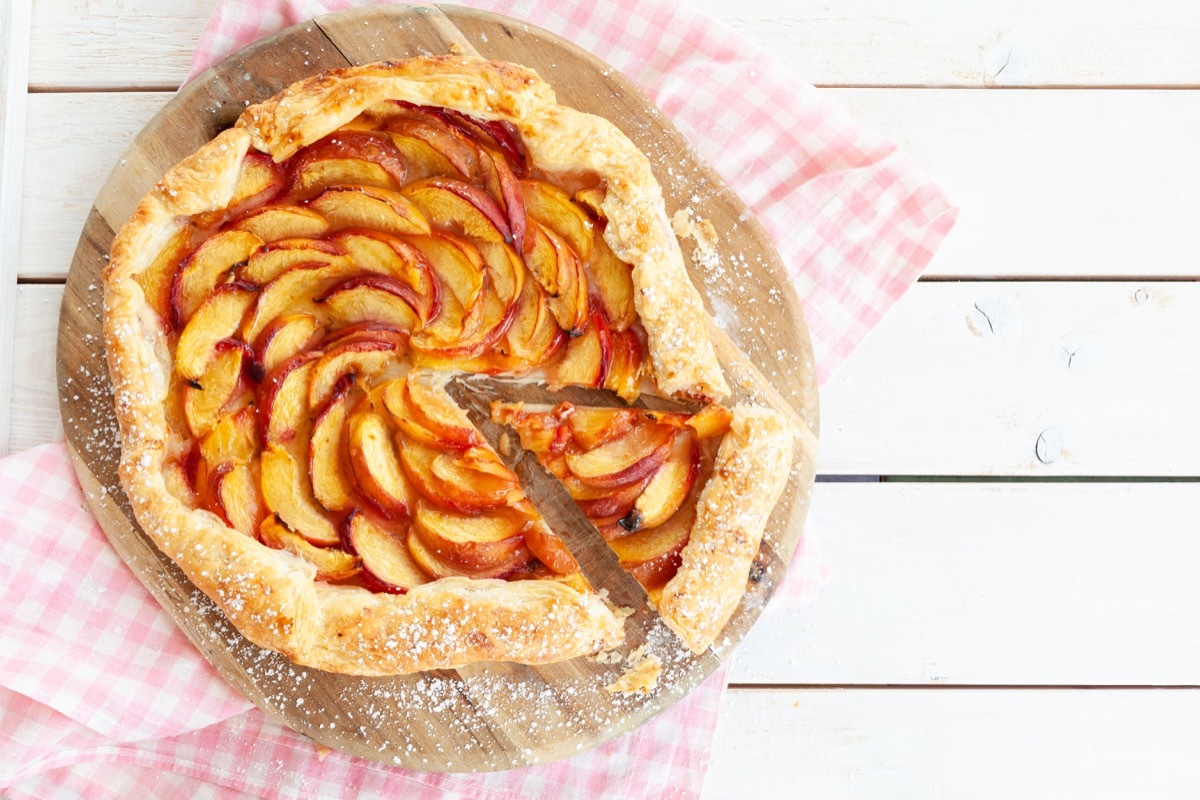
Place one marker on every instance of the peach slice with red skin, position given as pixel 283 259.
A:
pixel 332 563
pixel 533 337
pixel 288 492
pixel 460 208
pixel 423 159
pixel 426 414
pixel 440 567
pixel 592 198
pixel 490 133
pixel 625 372
pixel 384 553
pixel 498 178
pixel 233 438
pixel 625 459
pixel 274 259
pixel 653 555
pixel 355 158
pixel 461 481
pixel 549 549
pixel 473 542
pixel 217 319
pixel 558 271
pixel 553 208
pixel 367 298
pixel 237 498
pixel 207 266
pixel 286 337
pixel 440 135
pixel 586 359
pixel 611 282
pixel 156 279
pixel 612 507
pixel 376 466
pixel 204 400
pixel 283 399
pixel 711 421
pixel 272 223
pixel 295 292
pixel 669 487
pixel 361 358
pixel 369 207
pixel 592 427
pixel 395 258
pixel 328 467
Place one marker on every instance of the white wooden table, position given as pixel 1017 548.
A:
pixel 1014 608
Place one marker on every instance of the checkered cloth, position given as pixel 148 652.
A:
pixel 100 694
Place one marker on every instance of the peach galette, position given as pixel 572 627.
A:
pixel 284 309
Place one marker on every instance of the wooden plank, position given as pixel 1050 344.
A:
pixel 938 390
pixel 983 744
pixel 1024 378
pixel 108 43
pixel 1052 151
pixel 14 69
pixel 1064 183
pixel 34 409
pixel 989 584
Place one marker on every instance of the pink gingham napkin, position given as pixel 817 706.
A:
pixel 100 694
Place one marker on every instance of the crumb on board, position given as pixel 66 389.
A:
pixel 642 677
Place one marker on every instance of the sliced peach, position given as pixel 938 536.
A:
pixel 534 336
pixel 332 563
pixel 559 271
pixel 348 158
pixel 592 427
pixel 612 507
pixel 283 399
pixel 328 467
pixel 370 207
pixel 460 208
pixel 472 542
pixel 711 421
pixel 553 208
pixel 217 319
pixel 439 135
pixel 592 199
pixel 204 400
pixel 459 271
pixel 505 270
pixel 288 493
pixel 586 359
pixel 432 409
pixel 540 432
pixel 497 177
pixel 549 549
pixel 259 180
pixel 295 292
pixel 625 459
pixel 276 258
pixel 376 467
pixel 233 439
pixel 388 255
pixel 178 483
pixel 286 337
pixel 362 358
pixel 490 133
pixel 440 567
pixel 236 489
pixel 463 482
pixel 611 282
pixel 669 487
pixel 208 266
pixel 368 298
pixel 653 555
pixel 272 223
pixel 156 279
pixel 494 320
pixel 625 372
pixel 384 553
pixel 422 159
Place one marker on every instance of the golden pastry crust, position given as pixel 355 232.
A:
pixel 751 469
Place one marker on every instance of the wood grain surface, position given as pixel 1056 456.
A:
pixel 487 716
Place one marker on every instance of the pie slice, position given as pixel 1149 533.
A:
pixel 682 499
pixel 282 312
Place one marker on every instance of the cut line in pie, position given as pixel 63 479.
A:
pixel 282 313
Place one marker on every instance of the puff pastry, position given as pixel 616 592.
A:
pixel 278 309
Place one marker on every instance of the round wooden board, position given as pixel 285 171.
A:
pixel 486 716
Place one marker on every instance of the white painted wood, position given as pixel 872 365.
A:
pixel 74 142
pixel 863 744
pixel 107 43
pixel 34 408
pixel 14 69
pixel 990 584
pixel 1025 378
pixel 1063 183
pixel 937 389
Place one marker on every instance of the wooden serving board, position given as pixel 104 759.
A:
pixel 487 716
